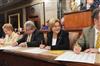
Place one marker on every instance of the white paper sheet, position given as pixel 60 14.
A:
pixel 82 57
pixel 9 48
pixel 34 50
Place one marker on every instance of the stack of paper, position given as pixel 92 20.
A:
pixel 82 57
pixel 34 50
pixel 9 48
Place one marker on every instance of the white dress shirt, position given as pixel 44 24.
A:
pixel 88 6
pixel 54 40
pixel 29 38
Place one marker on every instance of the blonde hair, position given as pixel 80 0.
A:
pixel 8 26
pixel 52 22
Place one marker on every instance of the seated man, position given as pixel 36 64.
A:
pixel 90 38
pixel 31 38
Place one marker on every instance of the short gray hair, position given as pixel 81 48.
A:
pixel 29 24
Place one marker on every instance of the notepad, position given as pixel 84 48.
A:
pixel 82 57
pixel 34 50
pixel 57 52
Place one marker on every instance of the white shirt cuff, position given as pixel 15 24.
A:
pixel 99 49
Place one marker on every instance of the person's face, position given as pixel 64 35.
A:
pixel 97 22
pixel 28 31
pixel 37 19
pixel 56 28
pixel 90 1
pixel 7 32
pixel 31 19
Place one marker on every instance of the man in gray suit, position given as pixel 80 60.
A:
pixel 87 41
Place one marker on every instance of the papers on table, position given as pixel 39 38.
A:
pixel 9 48
pixel 34 50
pixel 82 57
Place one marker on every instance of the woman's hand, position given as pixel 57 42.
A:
pixel 42 46
pixel 47 47
pixel 1 41
pixel 22 44
pixel 14 44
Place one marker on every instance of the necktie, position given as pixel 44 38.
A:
pixel 98 40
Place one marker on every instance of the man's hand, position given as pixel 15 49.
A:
pixel 91 50
pixel 77 49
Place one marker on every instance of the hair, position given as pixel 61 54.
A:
pixel 95 13
pixel 8 26
pixel 52 23
pixel 29 24
pixel 33 16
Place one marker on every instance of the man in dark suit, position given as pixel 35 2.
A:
pixel 95 4
pixel 91 4
pixel 32 37
pixel 36 20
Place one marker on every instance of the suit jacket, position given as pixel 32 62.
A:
pixel 62 41
pixel 93 6
pixel 36 39
pixel 87 38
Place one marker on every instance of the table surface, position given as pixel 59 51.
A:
pixel 45 56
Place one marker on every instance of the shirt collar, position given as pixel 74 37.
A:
pixel 96 30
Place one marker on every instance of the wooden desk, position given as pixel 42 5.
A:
pixel 17 58
pixel 25 59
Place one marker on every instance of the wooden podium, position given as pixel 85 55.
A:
pixel 77 20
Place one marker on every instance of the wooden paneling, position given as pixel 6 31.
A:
pixel 77 20
pixel 14 20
